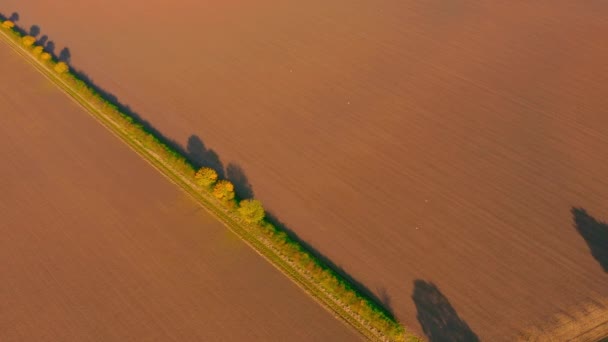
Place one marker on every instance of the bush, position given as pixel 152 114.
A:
pixel 37 50
pixel 45 56
pixel 251 210
pixel 28 40
pixel 224 191
pixel 61 67
pixel 206 177
pixel 8 24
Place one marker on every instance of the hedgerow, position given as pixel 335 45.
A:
pixel 247 219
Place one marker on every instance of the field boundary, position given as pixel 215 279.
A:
pixel 316 278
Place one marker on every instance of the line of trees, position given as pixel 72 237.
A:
pixel 249 212
pixel 29 42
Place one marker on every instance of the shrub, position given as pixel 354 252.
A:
pixel 28 40
pixel 224 191
pixel 206 177
pixel 251 210
pixel 8 24
pixel 37 50
pixel 45 56
pixel 61 67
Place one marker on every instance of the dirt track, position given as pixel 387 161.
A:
pixel 97 246
pixel 441 141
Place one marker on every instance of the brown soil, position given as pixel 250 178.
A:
pixel 439 141
pixel 97 246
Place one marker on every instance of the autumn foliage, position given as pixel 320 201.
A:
pixel 61 67
pixel 28 40
pixel 206 177
pixel 224 191
pixel 37 50
pixel 251 211
pixel 8 24
pixel 272 241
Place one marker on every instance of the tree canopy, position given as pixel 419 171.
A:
pixel 251 210
pixel 206 177
pixel 224 191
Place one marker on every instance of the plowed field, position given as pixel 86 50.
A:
pixel 434 150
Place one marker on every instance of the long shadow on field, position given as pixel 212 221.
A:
pixel 439 321
pixel 34 30
pixel 42 40
pixel 50 47
pixel 595 234
pixel 64 55
pixel 236 175
pixel 14 17
pixel 383 302
pixel 195 150
pixel 199 155
pixel 195 157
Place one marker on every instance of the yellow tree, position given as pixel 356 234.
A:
pixel 206 177
pixel 37 50
pixel 61 67
pixel 8 24
pixel 28 40
pixel 45 56
pixel 251 210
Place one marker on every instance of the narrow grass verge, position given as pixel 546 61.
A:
pixel 320 281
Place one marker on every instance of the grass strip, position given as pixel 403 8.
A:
pixel 319 280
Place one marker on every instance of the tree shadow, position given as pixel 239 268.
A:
pixel 595 234
pixel 382 302
pixel 64 55
pixel 384 298
pixel 199 155
pixel 236 175
pixel 42 41
pixel 34 30
pixel 438 319
pixel 14 17
pixel 50 47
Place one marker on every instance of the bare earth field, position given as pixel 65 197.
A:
pixel 97 246
pixel 435 150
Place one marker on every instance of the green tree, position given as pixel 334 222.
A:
pixel 251 210
pixel 224 191
pixel 206 177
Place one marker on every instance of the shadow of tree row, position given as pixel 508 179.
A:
pixel 195 150
pixel 439 320
pixel 595 234
pixel 199 155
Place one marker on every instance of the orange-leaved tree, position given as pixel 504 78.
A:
pixel 224 191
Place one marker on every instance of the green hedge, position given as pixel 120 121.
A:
pixel 317 278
